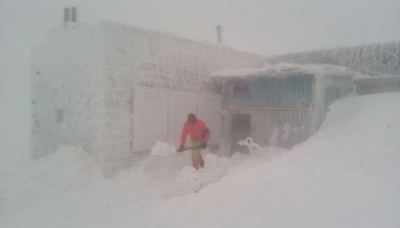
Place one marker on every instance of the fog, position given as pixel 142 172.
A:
pixel 258 26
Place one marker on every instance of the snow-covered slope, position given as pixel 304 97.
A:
pixel 347 175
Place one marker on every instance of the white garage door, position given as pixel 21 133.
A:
pixel 159 115
pixel 209 110
pixel 180 105
pixel 150 118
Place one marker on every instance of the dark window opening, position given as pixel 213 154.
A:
pixel 290 91
pixel 240 92
pixel 240 131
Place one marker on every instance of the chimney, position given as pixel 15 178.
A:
pixel 66 15
pixel 73 14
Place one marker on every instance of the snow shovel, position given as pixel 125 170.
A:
pixel 189 148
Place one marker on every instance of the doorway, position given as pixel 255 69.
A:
pixel 331 95
pixel 240 131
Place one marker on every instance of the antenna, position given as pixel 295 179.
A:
pixel 219 33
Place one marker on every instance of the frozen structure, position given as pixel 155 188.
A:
pixel 279 107
pixel 115 90
pixel 373 59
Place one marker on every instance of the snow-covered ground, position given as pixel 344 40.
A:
pixel 347 175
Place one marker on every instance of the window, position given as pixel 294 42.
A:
pixel 290 92
pixel 240 92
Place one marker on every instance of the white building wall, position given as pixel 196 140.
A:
pixel 66 97
pixel 150 119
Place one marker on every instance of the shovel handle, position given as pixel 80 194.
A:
pixel 189 148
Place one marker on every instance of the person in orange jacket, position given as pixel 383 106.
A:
pixel 199 135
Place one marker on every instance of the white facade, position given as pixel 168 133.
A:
pixel 83 84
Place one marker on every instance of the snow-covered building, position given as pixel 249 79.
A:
pixel 115 90
pixel 279 106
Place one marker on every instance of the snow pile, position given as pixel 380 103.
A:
pixel 49 178
pixel 66 189
pixel 67 169
pixel 249 143
pixel 366 137
pixel 162 149
pixel 187 182
pixel 190 180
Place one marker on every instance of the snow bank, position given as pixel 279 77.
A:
pixel 66 189
pixel 66 170
pixel 365 132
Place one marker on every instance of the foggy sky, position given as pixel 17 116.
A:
pixel 265 27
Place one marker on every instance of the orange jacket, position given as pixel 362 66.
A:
pixel 196 132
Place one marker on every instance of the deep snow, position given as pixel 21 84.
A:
pixel 347 175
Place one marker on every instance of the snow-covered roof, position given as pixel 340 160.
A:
pixel 277 70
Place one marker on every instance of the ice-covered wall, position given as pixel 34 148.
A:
pixel 87 77
pixel 382 58
pixel 66 91
pixel 155 59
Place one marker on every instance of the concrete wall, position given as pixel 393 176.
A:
pixel 90 73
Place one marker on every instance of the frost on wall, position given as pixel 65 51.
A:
pixel 83 84
pixel 65 92
pixel 382 58
pixel 151 59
